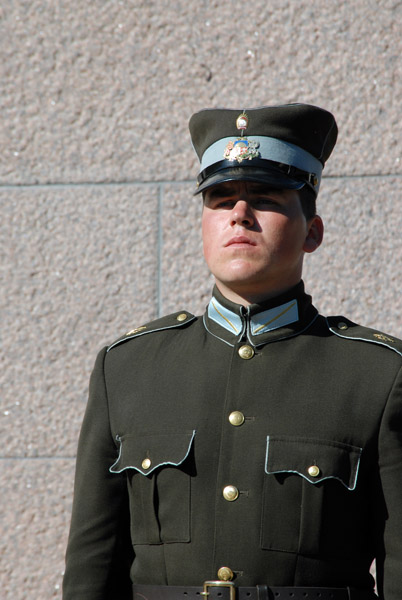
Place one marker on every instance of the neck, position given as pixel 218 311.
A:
pixel 247 297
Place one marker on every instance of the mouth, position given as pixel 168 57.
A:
pixel 240 241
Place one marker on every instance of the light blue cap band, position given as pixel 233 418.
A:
pixel 270 149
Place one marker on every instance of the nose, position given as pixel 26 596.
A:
pixel 242 214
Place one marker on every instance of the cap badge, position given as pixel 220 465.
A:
pixel 241 149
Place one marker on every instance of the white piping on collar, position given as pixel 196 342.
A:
pixel 268 320
pixel 259 345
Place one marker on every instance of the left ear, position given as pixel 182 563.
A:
pixel 315 234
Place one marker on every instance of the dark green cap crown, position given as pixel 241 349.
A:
pixel 284 146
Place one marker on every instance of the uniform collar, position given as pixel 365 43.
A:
pixel 285 316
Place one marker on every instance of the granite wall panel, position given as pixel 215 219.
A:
pixel 79 269
pixel 102 91
pixel 36 498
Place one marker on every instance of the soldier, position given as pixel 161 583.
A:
pixel 254 452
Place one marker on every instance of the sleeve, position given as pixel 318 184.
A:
pixel 389 571
pixel 99 551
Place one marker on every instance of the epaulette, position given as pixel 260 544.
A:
pixel 345 328
pixel 177 319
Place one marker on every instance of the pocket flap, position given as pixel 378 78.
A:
pixel 147 452
pixel 313 459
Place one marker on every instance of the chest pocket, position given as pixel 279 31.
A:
pixel 306 481
pixel 159 468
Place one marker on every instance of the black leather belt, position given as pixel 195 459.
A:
pixel 225 590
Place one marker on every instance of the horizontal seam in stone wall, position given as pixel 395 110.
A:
pixel 70 458
pixel 157 183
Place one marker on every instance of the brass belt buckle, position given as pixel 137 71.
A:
pixel 228 584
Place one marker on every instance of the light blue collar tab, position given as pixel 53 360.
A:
pixel 265 321
pixel 224 317
pixel 274 318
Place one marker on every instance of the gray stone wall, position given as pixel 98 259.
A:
pixel 99 228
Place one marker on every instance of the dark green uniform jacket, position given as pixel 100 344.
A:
pixel 266 439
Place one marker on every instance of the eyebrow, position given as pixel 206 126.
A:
pixel 262 189
pixel 220 192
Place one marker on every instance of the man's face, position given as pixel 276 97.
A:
pixel 255 239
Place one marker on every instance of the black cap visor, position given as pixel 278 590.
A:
pixel 271 175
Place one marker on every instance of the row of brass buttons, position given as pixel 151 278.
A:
pixel 230 492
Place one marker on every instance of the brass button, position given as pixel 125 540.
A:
pixel 225 574
pixel 181 317
pixel 313 471
pixel 236 418
pixel 342 325
pixel 146 463
pixel 246 352
pixel 230 493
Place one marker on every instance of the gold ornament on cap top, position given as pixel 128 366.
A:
pixel 241 148
pixel 242 122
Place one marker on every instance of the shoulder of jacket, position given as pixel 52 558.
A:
pixel 344 328
pixel 173 321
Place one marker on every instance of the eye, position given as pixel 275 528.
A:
pixel 264 201
pixel 226 204
pixel 220 204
